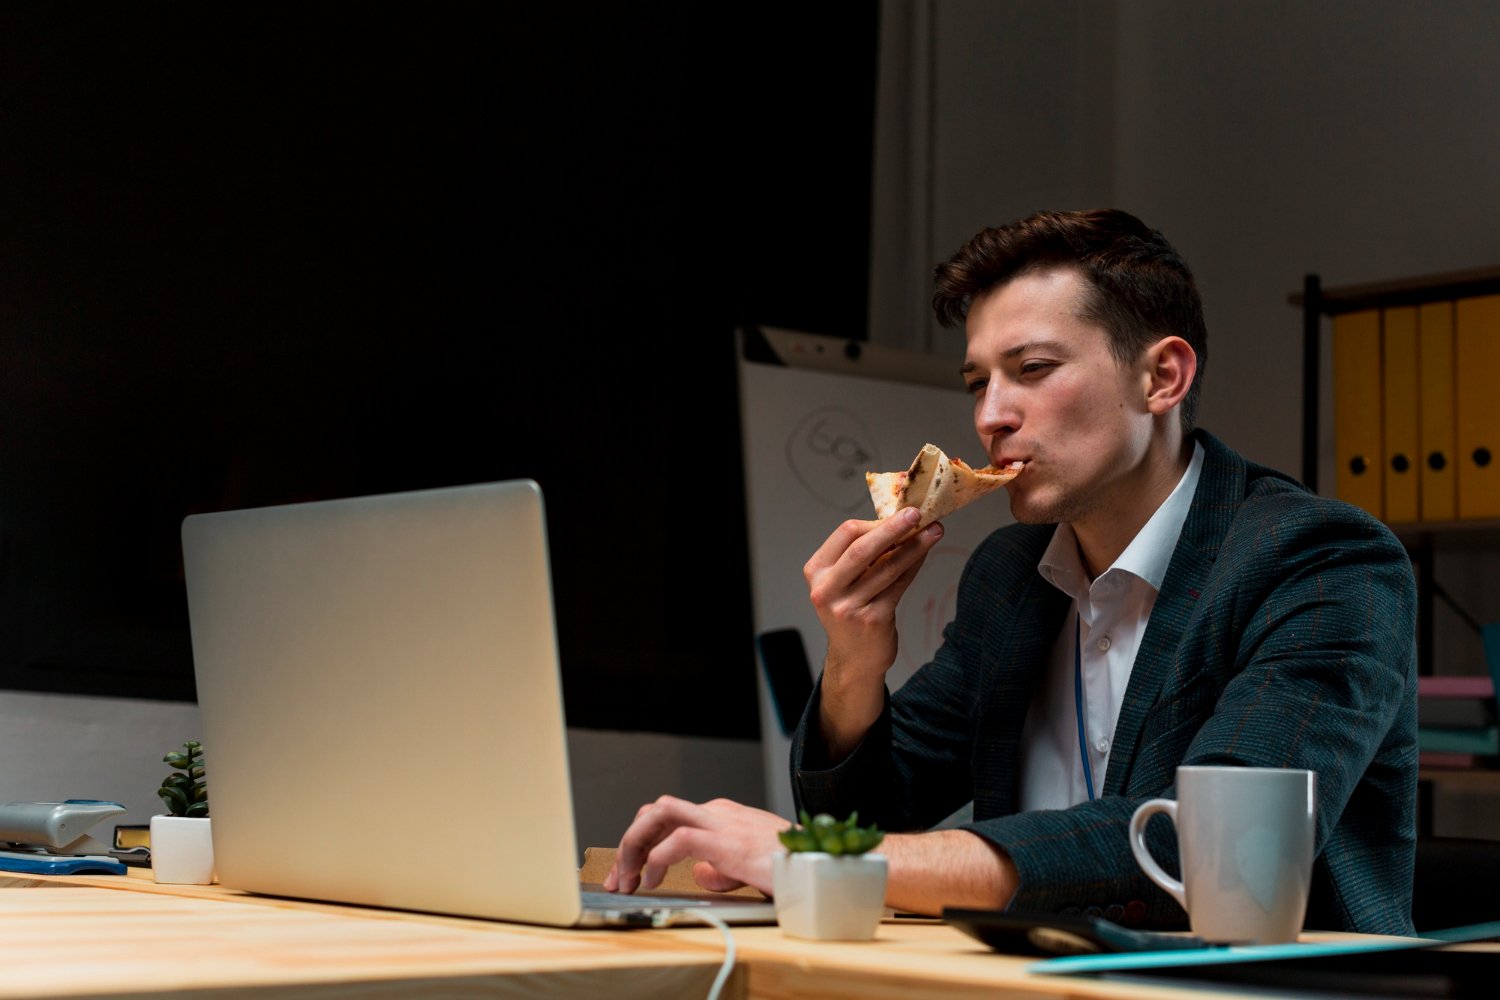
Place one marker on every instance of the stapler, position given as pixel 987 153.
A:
pixel 53 838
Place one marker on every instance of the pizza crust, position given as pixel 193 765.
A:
pixel 935 484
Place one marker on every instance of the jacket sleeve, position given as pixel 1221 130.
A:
pixel 912 769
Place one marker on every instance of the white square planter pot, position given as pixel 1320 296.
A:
pixel 182 849
pixel 829 897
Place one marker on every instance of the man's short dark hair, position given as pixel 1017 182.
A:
pixel 1139 288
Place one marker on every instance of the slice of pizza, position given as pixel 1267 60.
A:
pixel 936 484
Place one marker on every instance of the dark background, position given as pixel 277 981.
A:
pixel 259 254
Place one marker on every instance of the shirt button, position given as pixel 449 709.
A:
pixel 1102 746
pixel 1103 644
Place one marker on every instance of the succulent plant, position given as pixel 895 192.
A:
pixel 824 833
pixel 184 790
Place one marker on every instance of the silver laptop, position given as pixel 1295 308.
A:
pixel 382 713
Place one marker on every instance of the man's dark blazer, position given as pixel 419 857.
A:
pixel 1283 636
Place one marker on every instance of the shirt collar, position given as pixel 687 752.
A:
pixel 1145 557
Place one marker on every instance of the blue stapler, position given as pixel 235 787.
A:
pixel 53 838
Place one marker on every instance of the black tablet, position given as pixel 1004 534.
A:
pixel 1049 934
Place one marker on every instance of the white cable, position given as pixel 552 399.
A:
pixel 728 966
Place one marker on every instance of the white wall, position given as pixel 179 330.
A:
pixel 1359 139
pixel 56 747
pixel 69 747
pixel 987 112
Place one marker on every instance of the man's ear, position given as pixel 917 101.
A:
pixel 1170 365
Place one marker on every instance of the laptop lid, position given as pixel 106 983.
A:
pixel 380 700
pixel 382 710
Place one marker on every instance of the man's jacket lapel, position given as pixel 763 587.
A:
pixel 1220 487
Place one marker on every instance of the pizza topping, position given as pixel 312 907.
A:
pixel 936 484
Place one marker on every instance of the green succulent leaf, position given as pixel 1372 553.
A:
pixel 176 801
pixel 197 809
pixel 831 836
pixel 797 839
pixel 179 759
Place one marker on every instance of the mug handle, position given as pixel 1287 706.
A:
pixel 1142 853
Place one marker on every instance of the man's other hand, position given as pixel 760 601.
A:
pixel 733 843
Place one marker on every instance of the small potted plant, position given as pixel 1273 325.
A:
pixel 827 884
pixel 182 848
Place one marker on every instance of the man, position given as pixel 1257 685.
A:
pixel 1161 601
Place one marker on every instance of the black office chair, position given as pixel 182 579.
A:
pixel 1456 883
pixel 788 674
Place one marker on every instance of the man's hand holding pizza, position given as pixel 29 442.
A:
pixel 858 576
pixel 855 580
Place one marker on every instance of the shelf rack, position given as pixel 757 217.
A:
pixel 1315 301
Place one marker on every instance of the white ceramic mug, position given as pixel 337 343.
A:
pixel 1245 836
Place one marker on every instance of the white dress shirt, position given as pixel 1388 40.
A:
pixel 1110 616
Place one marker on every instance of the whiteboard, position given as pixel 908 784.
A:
pixel 816 413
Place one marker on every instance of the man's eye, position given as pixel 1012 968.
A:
pixel 974 385
pixel 1035 367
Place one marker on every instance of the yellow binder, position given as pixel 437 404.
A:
pixel 1398 339
pixel 1477 363
pixel 1356 408
pixel 1437 498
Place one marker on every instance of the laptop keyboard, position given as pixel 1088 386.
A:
pixel 595 900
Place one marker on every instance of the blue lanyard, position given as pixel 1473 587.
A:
pixel 1083 743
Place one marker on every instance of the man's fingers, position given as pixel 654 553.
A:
pixel 653 824
pixel 731 843
pixel 712 879
pixel 860 542
pixel 887 579
pixel 888 534
pixel 868 589
pixel 682 842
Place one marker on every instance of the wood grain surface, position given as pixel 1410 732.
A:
pixel 127 937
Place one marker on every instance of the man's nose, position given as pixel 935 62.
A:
pixel 997 411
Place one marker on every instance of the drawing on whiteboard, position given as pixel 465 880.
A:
pixel 829 451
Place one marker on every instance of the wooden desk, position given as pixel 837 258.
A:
pixel 97 936
pixel 93 936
